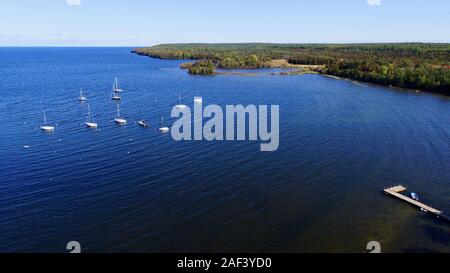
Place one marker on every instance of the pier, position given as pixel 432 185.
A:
pixel 396 192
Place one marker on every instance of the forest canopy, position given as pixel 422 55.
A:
pixel 406 65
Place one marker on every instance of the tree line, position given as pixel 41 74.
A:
pixel 407 65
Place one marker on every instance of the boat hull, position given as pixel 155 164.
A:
pixel 91 124
pixel 120 121
pixel 48 128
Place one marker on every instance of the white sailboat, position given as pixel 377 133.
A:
pixel 115 96
pixel 90 121
pixel 179 105
pixel 82 97
pixel 46 127
pixel 163 129
pixel 118 119
pixel 116 87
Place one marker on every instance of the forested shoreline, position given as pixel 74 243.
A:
pixel 406 65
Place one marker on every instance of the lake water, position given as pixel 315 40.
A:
pixel 125 188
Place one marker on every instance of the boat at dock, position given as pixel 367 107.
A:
pixel 396 192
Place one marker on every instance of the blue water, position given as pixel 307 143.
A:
pixel 125 188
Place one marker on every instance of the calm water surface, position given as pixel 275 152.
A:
pixel 136 190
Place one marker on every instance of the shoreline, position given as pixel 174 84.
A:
pixel 303 69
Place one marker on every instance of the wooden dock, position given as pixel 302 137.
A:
pixel 396 192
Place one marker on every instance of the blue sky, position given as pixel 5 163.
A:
pixel 148 22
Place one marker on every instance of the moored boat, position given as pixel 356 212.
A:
pixel 45 127
pixel 82 97
pixel 90 123
pixel 143 123
pixel 163 129
pixel 118 119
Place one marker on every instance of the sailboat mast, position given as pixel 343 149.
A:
pixel 118 111
pixel 45 118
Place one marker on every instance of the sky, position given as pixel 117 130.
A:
pixel 150 22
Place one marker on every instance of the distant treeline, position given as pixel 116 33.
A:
pixel 407 65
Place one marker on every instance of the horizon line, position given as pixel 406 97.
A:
pixel 212 43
